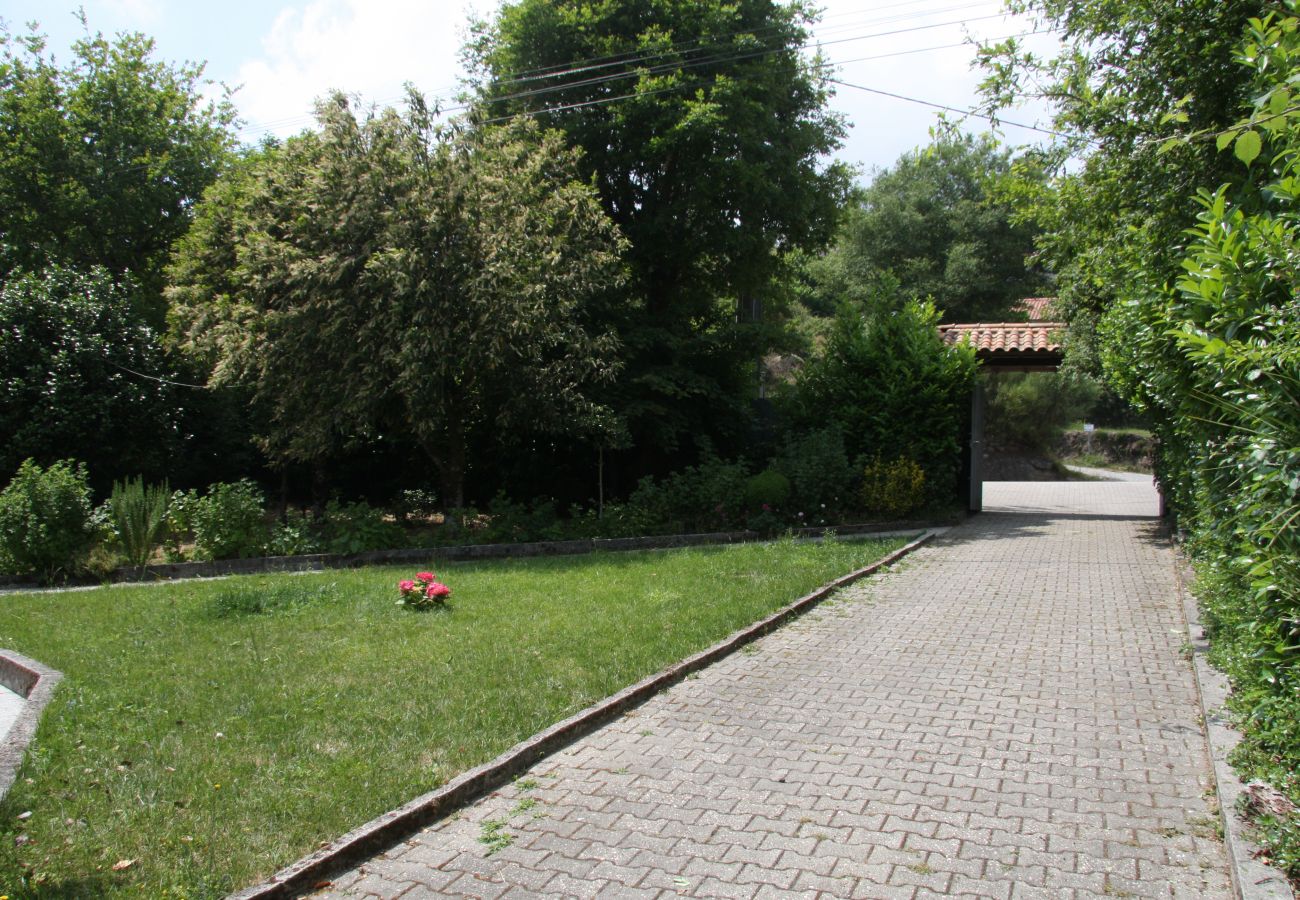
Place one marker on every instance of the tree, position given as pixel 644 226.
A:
pixel 702 125
pixel 937 222
pixel 892 386
pixel 381 277
pixel 101 160
pixel 1129 76
pixel 74 367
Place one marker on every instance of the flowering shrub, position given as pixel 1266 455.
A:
pixel 423 590
pixel 893 488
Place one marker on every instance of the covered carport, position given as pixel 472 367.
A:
pixel 1002 347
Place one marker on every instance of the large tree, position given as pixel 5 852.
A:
pixel 938 221
pixel 378 276
pixel 71 364
pixel 101 159
pixel 703 125
pixel 1129 76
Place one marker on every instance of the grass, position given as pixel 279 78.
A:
pixel 211 732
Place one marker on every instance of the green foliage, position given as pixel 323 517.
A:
pixel 888 381
pixel 937 222
pixel 1123 207
pixel 358 527
pixel 1184 228
pixel 295 534
pixel 380 275
pixel 102 159
pixel 893 488
pixel 515 521
pixel 707 497
pixel 1029 410
pixel 417 503
pixel 69 351
pixel 708 162
pixel 228 522
pixel 45 520
pixel 140 514
pixel 822 479
pixel 768 489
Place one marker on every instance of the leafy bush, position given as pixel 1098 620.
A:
pixel 768 489
pixel 139 514
pixel 894 488
pixel 513 521
pixel 45 520
pixel 358 527
pixel 293 535
pixel 700 498
pixel 893 387
pixel 821 476
pixel 227 523
pixel 417 503
pixel 1211 352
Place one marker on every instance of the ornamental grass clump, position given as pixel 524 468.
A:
pixel 423 591
pixel 139 512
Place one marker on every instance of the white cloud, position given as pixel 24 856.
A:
pixel 366 47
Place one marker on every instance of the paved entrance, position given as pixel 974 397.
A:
pixel 1006 714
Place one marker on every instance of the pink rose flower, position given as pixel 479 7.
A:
pixel 405 586
pixel 437 591
pixel 426 577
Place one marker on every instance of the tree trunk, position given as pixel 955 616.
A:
pixel 448 457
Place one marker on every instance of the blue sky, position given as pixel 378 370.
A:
pixel 283 53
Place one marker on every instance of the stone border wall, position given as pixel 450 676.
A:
pixel 316 562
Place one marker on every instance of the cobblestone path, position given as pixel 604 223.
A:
pixel 1005 714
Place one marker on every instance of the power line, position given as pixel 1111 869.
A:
pixel 959 111
pixel 686 46
pixel 160 380
pixel 581 65
pixel 679 66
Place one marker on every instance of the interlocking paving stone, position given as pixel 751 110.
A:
pixel 1005 714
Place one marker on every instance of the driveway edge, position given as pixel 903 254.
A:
pixel 1251 878
pixel 311 871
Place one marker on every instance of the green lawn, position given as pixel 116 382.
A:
pixel 215 731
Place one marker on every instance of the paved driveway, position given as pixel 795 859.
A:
pixel 1005 714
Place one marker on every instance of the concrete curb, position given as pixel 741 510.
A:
pixel 35 682
pixel 1251 878
pixel 309 872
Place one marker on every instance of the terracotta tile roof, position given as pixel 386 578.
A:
pixel 1007 337
pixel 1038 309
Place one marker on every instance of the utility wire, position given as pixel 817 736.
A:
pixel 959 111
pixel 579 66
pixel 694 64
pixel 160 380
pixel 686 46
